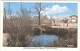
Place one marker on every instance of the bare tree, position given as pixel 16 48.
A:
pixel 38 8
pixel 9 10
pixel 24 28
pixel 4 13
pixel 18 27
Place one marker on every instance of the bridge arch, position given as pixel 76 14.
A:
pixel 38 30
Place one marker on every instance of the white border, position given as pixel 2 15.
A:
pixel 45 1
pixel 35 49
pixel 78 26
pixel 1 23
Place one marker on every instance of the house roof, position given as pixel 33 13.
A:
pixel 73 16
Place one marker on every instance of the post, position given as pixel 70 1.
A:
pixel 67 22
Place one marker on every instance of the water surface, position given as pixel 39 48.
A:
pixel 43 40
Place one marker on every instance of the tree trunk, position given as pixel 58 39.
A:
pixel 39 18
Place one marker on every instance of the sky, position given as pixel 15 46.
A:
pixel 53 9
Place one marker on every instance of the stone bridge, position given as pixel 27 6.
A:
pixel 39 27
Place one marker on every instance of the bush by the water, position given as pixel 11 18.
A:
pixel 19 30
pixel 69 39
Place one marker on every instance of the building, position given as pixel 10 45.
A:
pixel 73 19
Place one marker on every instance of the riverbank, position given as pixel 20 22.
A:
pixel 68 36
pixel 62 32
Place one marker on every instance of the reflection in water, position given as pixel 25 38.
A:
pixel 43 40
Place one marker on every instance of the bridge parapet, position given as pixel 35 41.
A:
pixel 39 27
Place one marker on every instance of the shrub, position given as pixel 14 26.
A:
pixel 70 39
pixel 20 31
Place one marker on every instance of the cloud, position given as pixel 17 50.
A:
pixel 55 9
